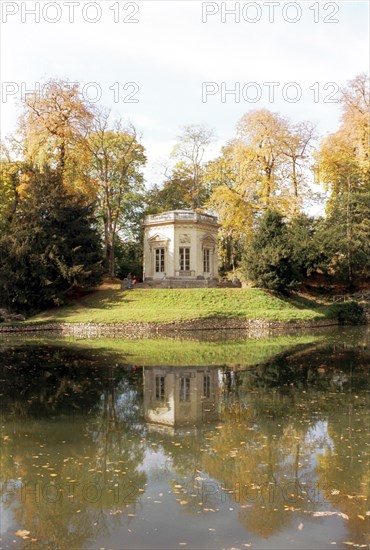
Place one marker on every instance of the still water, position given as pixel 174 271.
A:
pixel 200 442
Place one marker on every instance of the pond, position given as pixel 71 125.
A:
pixel 204 441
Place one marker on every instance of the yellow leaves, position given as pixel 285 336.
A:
pixel 329 513
pixel 347 543
pixel 22 533
pixel 234 211
pixel 259 169
pixel 233 453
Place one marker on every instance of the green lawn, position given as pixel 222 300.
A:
pixel 161 305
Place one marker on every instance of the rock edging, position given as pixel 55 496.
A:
pixel 140 330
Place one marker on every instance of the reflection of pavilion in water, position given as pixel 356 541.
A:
pixel 180 396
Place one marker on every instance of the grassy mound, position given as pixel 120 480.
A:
pixel 162 306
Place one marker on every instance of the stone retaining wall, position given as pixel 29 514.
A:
pixel 252 327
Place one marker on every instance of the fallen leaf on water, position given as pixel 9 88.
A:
pixel 321 514
pixel 23 533
pixel 356 545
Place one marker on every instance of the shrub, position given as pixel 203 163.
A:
pixel 349 313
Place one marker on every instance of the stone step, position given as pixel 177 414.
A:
pixel 178 283
pixel 183 283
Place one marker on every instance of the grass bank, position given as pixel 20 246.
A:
pixel 175 305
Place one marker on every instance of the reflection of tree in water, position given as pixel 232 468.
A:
pixel 344 465
pixel 343 471
pixel 314 388
pixel 42 381
pixel 273 422
pixel 79 443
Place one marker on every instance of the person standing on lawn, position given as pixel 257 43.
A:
pixel 129 280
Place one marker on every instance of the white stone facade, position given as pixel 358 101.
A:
pixel 180 245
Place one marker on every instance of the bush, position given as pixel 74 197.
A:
pixel 349 313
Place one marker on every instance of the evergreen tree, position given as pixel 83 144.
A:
pixel 309 239
pixel 268 260
pixel 50 248
pixel 347 236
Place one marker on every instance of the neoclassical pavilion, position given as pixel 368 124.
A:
pixel 180 245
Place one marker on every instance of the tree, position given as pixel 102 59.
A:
pixel 268 259
pixel 355 99
pixel 234 195
pixel 264 167
pixel 232 198
pixel 296 146
pixel 50 249
pixel 117 158
pixel 175 194
pixel 129 257
pixel 343 165
pixel 53 130
pixel 9 187
pixel 188 173
pixel 310 250
pixel 260 133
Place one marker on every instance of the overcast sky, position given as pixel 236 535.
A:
pixel 183 56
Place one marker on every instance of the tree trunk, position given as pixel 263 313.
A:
pixel 349 234
pixel 295 186
pixel 111 255
pixel 62 158
pixel 106 241
pixel 109 236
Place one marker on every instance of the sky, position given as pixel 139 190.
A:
pixel 165 64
